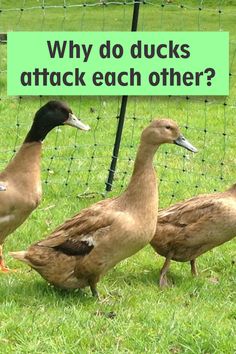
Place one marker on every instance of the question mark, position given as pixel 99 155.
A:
pixel 210 74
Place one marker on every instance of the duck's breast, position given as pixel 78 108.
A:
pixel 15 207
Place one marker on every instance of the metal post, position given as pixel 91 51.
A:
pixel 121 115
pixel 3 38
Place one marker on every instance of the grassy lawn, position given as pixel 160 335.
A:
pixel 133 314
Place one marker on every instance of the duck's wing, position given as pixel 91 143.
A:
pixel 189 211
pixel 77 236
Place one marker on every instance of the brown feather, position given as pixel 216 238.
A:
pixel 23 188
pixel 190 228
pixel 86 246
pixel 73 247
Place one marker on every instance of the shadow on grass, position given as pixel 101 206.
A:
pixel 26 285
pixel 177 281
pixel 146 277
pixel 34 290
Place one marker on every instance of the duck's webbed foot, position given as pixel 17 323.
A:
pixel 3 268
pixel 163 282
pixel 193 267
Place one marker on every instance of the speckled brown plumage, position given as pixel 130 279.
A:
pixel 192 227
pixel 86 246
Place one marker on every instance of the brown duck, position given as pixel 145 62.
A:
pixel 192 227
pixel 20 185
pixel 85 247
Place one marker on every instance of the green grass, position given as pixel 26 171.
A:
pixel 133 314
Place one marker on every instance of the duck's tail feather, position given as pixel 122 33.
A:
pixel 20 255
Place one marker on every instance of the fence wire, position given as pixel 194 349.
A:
pixel 77 164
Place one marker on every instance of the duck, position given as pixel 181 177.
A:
pixel 188 229
pixel 81 250
pixel 20 184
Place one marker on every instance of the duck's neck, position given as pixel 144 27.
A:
pixel 38 132
pixel 142 189
pixel 24 168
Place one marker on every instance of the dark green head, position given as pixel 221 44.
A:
pixel 49 116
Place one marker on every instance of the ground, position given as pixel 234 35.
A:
pixel 195 315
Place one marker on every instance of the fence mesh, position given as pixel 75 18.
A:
pixel 77 164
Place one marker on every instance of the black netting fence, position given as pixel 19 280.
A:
pixel 78 163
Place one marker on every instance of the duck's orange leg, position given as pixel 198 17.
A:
pixel 3 268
